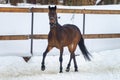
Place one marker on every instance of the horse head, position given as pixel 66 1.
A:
pixel 52 16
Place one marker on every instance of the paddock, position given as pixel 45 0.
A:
pixel 22 35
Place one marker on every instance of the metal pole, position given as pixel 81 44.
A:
pixel 83 23
pixel 32 22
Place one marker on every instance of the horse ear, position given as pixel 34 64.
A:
pixel 55 7
pixel 49 7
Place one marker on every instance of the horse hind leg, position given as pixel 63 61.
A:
pixel 68 66
pixel 72 56
pixel 75 63
pixel 72 48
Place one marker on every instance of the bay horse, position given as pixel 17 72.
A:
pixel 60 36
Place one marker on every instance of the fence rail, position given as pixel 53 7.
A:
pixel 44 10
pixel 45 36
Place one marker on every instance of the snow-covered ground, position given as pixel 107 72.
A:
pixel 105 65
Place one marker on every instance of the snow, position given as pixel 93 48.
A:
pixel 105 65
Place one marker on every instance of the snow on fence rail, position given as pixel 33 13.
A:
pixel 44 10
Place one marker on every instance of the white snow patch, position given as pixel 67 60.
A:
pixel 105 65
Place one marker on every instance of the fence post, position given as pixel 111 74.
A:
pixel 31 36
pixel 83 23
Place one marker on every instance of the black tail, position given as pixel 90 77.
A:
pixel 84 50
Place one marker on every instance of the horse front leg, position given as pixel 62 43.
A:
pixel 61 59
pixel 44 56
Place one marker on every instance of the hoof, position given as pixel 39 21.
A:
pixel 67 70
pixel 76 70
pixel 60 72
pixel 42 68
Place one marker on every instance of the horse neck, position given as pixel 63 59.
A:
pixel 56 28
pixel 57 23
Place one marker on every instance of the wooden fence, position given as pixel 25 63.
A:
pixel 44 10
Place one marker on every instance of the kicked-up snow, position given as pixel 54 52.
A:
pixel 105 65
